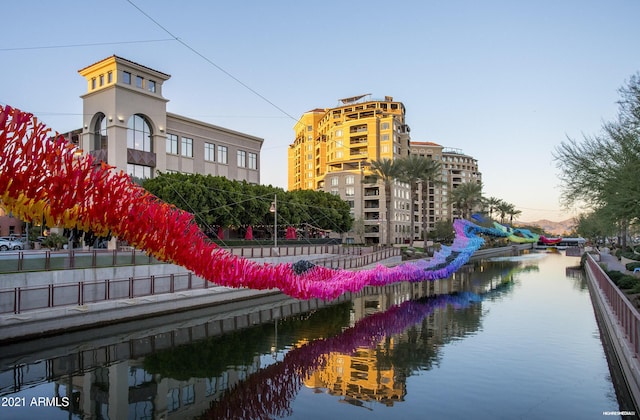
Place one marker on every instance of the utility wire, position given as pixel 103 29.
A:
pixel 94 44
pixel 211 61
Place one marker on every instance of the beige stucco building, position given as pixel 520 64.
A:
pixel 126 124
pixel 457 168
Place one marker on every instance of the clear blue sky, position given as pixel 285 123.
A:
pixel 504 81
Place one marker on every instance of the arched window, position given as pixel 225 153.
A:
pixel 100 140
pixel 139 134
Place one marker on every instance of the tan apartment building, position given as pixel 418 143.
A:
pixel 457 168
pixel 126 124
pixel 332 152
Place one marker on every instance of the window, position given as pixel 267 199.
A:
pixel 101 78
pixel 309 128
pixel 339 133
pixel 209 152
pixel 334 181
pixel 384 126
pixel 188 395
pixel 138 171
pixel 384 137
pixel 139 134
pixel 187 147
pixel 172 144
pixel 126 77
pixel 350 180
pixel 139 81
pixel 350 191
pixel 109 77
pixel 151 86
pixel 173 399
pixel 93 83
pixel 253 160
pixel 100 134
pixel 242 159
pixel 222 154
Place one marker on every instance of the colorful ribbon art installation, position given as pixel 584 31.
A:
pixel 45 179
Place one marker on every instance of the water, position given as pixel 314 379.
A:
pixel 523 345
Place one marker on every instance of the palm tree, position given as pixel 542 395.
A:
pixel 418 170
pixel 386 170
pixel 493 204
pixel 466 197
pixel 513 213
pixel 503 209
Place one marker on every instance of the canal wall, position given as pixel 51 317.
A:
pixel 620 340
pixel 55 320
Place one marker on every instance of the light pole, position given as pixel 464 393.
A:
pixel 274 210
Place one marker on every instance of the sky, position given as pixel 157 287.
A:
pixel 503 81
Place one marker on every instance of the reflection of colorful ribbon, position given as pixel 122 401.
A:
pixel 269 392
pixel 45 179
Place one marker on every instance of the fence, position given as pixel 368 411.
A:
pixel 20 299
pixel 351 262
pixel 18 261
pixel 627 315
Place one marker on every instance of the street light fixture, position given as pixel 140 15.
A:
pixel 274 210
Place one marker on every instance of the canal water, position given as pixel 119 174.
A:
pixel 511 337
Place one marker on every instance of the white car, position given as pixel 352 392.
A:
pixel 6 244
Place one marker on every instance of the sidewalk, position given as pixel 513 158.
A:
pixel 612 262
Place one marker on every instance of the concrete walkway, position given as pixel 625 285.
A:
pixel 611 261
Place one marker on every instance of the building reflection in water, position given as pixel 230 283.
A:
pixel 361 349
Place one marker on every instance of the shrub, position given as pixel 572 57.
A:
pixel 630 266
pixel 630 255
pixel 627 282
pixel 54 241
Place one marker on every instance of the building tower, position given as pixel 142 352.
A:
pixel 333 150
pixel 457 168
pixel 126 124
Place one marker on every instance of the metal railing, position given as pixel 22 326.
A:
pixel 21 299
pixel 17 300
pixel 19 261
pixel 347 263
pixel 627 315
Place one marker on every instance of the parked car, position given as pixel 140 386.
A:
pixel 6 244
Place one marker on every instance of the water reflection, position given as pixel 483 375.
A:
pixel 360 350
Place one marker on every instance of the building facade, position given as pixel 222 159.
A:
pixel 457 168
pixel 332 152
pixel 126 124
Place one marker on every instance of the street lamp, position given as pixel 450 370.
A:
pixel 274 210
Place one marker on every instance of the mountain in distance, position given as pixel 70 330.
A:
pixel 555 228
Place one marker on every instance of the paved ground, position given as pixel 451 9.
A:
pixel 611 261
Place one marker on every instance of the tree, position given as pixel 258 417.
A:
pixel 442 232
pixel 386 170
pixel 513 213
pixel 417 170
pixel 503 209
pixel 466 197
pixel 492 203
pixel 218 201
pixel 602 171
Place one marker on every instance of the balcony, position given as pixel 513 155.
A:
pixel 99 156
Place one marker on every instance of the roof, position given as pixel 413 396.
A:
pixel 118 58
pixel 424 143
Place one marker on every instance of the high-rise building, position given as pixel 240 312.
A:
pixel 457 168
pixel 333 150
